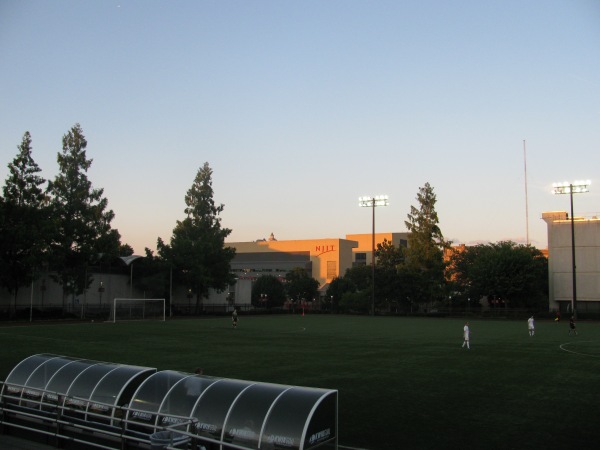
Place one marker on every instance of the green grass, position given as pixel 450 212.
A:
pixel 403 382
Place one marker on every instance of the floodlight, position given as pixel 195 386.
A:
pixel 372 202
pixel 576 187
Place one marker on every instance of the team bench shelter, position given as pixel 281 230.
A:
pixel 75 403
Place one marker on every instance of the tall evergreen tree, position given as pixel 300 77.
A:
pixel 425 252
pixel 82 219
pixel 23 221
pixel 197 248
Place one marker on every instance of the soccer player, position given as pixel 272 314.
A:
pixel 531 326
pixel 234 318
pixel 466 336
pixel 572 326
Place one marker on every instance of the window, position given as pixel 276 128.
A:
pixel 331 270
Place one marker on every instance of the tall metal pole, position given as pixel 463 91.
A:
pixel 526 199
pixel 576 187
pixel 31 299
pixel 128 260
pixel 574 301
pixel 171 291
pixel 373 261
pixel 372 202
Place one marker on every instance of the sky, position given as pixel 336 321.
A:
pixel 301 107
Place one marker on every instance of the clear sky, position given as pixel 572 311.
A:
pixel 300 107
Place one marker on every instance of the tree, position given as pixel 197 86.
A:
pixel 300 285
pixel 127 250
pixel 268 291
pixel 426 244
pixel 389 260
pixel 516 274
pixel 353 289
pixel 24 221
pixel 153 274
pixel 81 218
pixel 197 248
pixel 360 277
pixel 357 302
pixel 389 287
pixel 336 290
pixel 388 255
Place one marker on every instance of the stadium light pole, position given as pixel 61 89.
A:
pixel 171 291
pixel 576 187
pixel 128 260
pixel 373 202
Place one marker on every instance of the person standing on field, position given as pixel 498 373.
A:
pixel 572 326
pixel 234 318
pixel 466 333
pixel 531 326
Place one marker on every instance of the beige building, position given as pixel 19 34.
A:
pixel 323 259
pixel 363 253
pixel 560 262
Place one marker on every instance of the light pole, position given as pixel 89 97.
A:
pixel 100 292
pixel 372 202
pixel 43 289
pixel 171 291
pixel 128 260
pixel 31 299
pixel 576 187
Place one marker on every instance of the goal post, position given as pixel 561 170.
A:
pixel 138 309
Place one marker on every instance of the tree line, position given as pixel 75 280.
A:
pixel 62 227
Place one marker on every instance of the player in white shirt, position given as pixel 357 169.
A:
pixel 466 333
pixel 531 326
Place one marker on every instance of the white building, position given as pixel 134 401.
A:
pixel 560 262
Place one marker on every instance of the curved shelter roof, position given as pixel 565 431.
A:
pixel 91 386
pixel 243 414
pixel 227 412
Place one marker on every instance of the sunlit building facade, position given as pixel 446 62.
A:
pixel 323 259
pixel 560 262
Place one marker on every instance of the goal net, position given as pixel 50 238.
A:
pixel 138 309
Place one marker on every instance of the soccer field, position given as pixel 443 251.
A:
pixel 403 382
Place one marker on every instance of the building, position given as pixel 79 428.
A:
pixel 363 253
pixel 323 259
pixel 560 262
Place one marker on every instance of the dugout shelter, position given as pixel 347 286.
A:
pixel 78 403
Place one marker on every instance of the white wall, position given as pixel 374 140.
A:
pixel 587 259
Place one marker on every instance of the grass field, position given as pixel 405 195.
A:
pixel 403 382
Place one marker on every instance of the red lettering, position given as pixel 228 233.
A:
pixel 320 249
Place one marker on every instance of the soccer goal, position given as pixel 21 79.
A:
pixel 138 309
